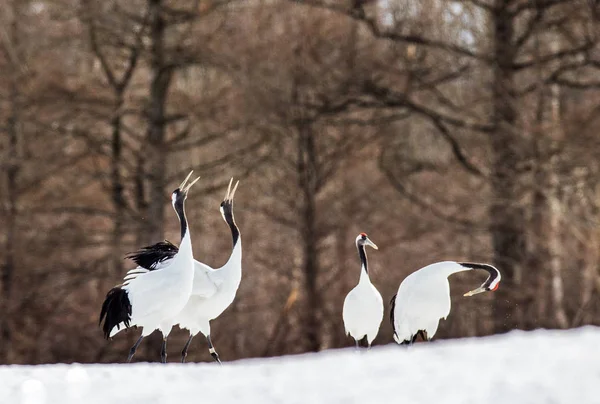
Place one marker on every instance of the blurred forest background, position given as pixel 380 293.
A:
pixel 445 129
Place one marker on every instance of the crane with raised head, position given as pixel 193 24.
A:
pixel 154 292
pixel 213 289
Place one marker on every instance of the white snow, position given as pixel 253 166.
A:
pixel 520 367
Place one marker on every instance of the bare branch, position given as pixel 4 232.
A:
pixel 373 26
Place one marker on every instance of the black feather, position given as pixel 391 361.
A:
pixel 116 309
pixel 392 309
pixel 149 257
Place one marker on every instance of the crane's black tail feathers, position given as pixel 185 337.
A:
pixel 392 310
pixel 116 309
pixel 150 256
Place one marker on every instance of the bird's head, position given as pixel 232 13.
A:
pixel 362 239
pixel 227 204
pixel 178 196
pixel 491 283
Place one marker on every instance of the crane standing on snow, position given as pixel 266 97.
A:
pixel 363 306
pixel 154 292
pixel 423 298
pixel 213 289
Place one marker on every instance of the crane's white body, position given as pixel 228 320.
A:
pixel 423 299
pixel 363 310
pixel 213 291
pixel 158 295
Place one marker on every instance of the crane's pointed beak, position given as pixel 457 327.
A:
pixel 186 178
pixel 228 190
pixel 234 189
pixel 231 192
pixel 188 186
pixel 475 291
pixel 372 244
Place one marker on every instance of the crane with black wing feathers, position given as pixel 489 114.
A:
pixel 150 296
pixel 213 289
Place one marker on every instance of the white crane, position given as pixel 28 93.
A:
pixel 151 296
pixel 213 289
pixel 363 306
pixel 423 298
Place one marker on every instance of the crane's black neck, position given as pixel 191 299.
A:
pixel 228 213
pixel 179 209
pixel 363 257
pixel 491 270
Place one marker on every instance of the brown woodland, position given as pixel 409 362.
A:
pixel 445 129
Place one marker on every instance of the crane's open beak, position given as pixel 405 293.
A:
pixel 480 289
pixel 185 188
pixel 186 178
pixel 372 244
pixel 230 193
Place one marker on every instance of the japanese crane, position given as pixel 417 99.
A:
pixel 423 298
pixel 213 289
pixel 154 292
pixel 363 307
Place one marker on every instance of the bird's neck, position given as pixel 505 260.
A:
pixel 364 264
pixel 186 241
pixel 235 259
pixel 229 219
pixel 493 273
pixel 447 268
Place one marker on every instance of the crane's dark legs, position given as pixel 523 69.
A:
pixel 212 351
pixel 134 348
pixel 163 351
pixel 423 335
pixel 185 348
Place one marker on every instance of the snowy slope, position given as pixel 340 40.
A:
pixel 535 367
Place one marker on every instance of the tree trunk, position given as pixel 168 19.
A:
pixel 591 260
pixel 140 200
pixel 12 192
pixel 545 274
pixel 506 211
pixel 117 188
pixel 539 252
pixel 156 156
pixel 554 209
pixel 307 177
pixel 151 174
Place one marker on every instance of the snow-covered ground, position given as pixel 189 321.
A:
pixel 534 367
